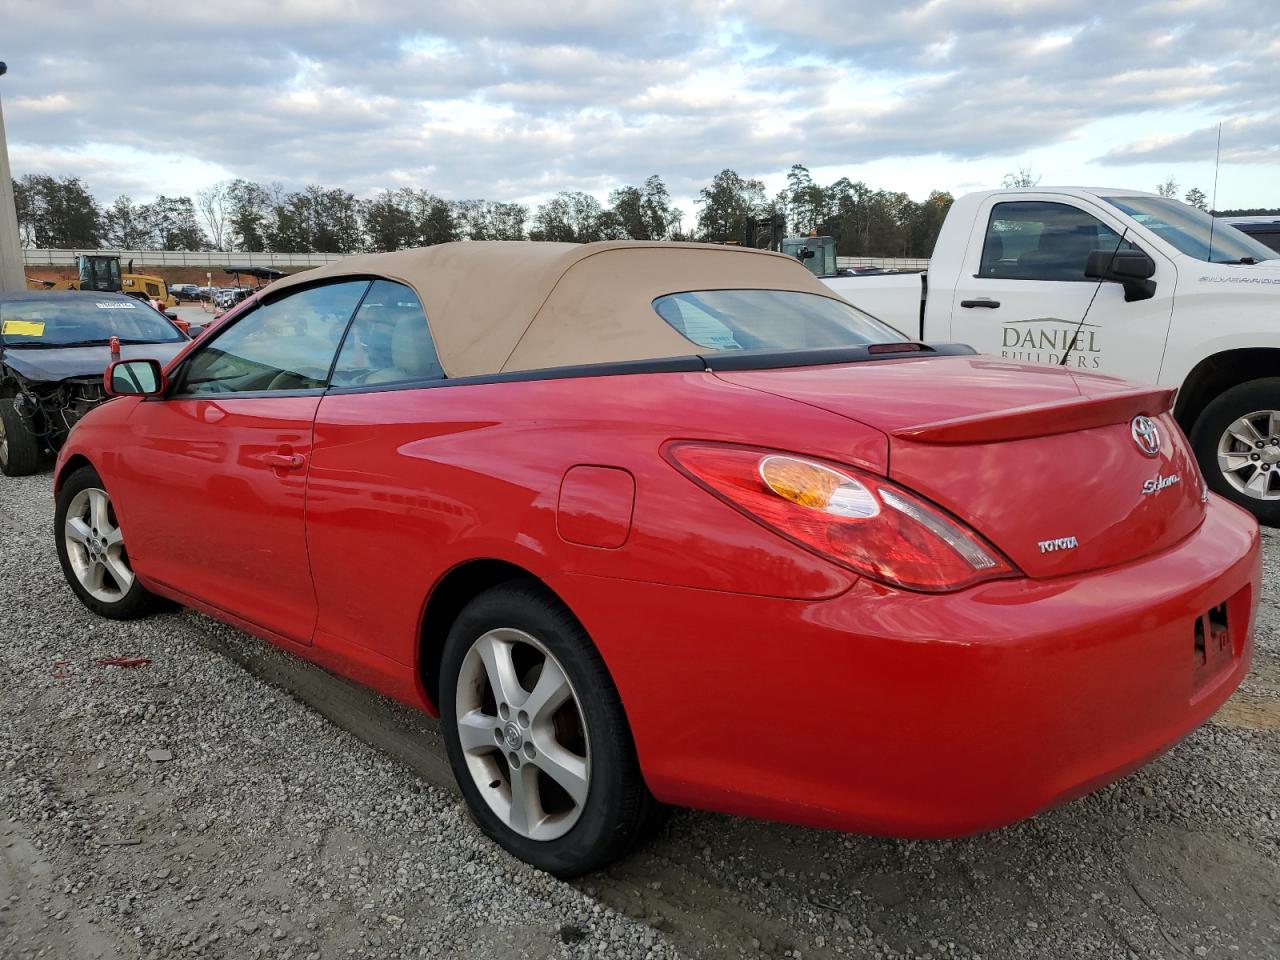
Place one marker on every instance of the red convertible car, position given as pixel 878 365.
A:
pixel 672 523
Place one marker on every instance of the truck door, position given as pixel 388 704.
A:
pixel 1022 292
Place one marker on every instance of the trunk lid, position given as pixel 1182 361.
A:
pixel 1041 461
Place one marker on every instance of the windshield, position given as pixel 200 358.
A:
pixel 1192 231
pixel 770 320
pixel 82 320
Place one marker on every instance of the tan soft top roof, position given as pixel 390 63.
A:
pixel 501 306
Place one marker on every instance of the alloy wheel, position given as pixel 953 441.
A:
pixel 1249 454
pixel 521 729
pixel 95 546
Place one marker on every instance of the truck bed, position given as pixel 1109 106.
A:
pixel 893 298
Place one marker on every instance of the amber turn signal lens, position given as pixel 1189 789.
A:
pixel 812 485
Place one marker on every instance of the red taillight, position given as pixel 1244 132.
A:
pixel 868 524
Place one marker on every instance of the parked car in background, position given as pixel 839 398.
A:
pixel 227 297
pixel 1182 300
pixel 54 347
pixel 674 522
pixel 1265 230
pixel 185 291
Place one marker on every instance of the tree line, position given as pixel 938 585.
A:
pixel 240 215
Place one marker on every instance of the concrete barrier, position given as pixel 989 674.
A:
pixel 35 257
pixel 888 263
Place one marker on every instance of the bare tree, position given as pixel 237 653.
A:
pixel 214 205
pixel 1022 177
pixel 1169 188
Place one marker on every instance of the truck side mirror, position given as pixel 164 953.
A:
pixel 1133 269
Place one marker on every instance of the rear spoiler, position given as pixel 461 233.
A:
pixel 1044 419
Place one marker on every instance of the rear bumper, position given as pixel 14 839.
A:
pixel 892 713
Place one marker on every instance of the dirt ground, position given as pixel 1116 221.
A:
pixel 200 276
pixel 292 814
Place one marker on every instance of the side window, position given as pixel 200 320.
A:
pixel 1271 238
pixel 286 344
pixel 389 340
pixel 1036 240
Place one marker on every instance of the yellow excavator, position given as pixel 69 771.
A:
pixel 102 272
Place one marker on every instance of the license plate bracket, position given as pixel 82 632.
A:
pixel 1213 648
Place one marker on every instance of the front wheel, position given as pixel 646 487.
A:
pixel 1237 441
pixel 19 447
pixel 536 734
pixel 92 552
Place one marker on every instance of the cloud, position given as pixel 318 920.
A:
pixel 1251 139
pixel 510 99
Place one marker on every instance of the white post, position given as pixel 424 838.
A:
pixel 13 276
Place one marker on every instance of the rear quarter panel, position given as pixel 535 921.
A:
pixel 407 484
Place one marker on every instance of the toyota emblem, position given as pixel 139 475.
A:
pixel 1146 435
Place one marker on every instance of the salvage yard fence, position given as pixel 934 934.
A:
pixel 35 257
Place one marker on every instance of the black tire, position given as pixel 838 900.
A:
pixel 20 449
pixel 134 602
pixel 618 811
pixel 1228 406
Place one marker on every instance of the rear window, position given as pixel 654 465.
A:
pixel 722 320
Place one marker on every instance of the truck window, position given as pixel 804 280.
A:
pixel 1270 238
pixel 1038 240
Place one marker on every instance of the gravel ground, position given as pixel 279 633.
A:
pixel 290 814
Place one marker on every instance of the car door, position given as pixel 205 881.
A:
pixel 379 510
pixel 1022 293
pixel 221 461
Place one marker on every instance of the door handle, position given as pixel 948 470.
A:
pixel 284 461
pixel 981 302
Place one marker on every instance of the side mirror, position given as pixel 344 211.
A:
pixel 1133 269
pixel 195 331
pixel 134 378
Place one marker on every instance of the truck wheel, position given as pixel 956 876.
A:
pixel 1237 441
pixel 19 447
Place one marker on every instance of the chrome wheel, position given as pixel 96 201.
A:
pixel 1249 454
pixel 95 546
pixel 521 731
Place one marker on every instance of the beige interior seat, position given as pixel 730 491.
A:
pixel 413 356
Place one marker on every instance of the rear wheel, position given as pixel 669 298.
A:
pixel 1237 441
pixel 19 447
pixel 536 734
pixel 92 551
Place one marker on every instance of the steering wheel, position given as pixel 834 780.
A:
pixel 303 378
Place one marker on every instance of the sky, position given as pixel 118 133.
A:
pixel 517 99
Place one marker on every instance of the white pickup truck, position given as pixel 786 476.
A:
pixel 1178 299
